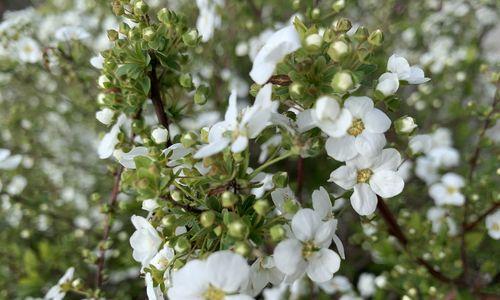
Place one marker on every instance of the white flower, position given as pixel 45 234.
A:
pixel 284 198
pixel 8 161
pixel 388 84
pixel 493 224
pixel 405 125
pixel 265 182
pixel 163 258
pixel 262 272
pixel 208 19
pixel 338 284
pixel 370 176
pixel 278 45
pixel 145 241
pixel 366 284
pixel 420 143
pixel 153 293
pixel 222 276
pixel 68 33
pixel 307 251
pixel 439 216
pixel 110 140
pixel 445 156
pixel 17 185
pixel 102 80
pixel 427 170
pixel 329 117
pixel 97 61
pixel 126 159
pixel 55 292
pixel 365 133
pixel 28 50
pixel 105 116
pixel 447 191
pixel 149 205
pixel 400 66
pixel 159 135
pixel 235 130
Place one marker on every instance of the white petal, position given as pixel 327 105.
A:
pixel 339 126
pixel 388 84
pixel 232 109
pixel 386 183
pixel 288 256
pixel 305 223
pixel 453 180
pixel 369 144
pixel 341 149
pixel 238 297
pixel 363 200
pixel 344 176
pixel 305 120
pixel 339 245
pixel 240 144
pixel 437 192
pixel 326 108
pixel 321 202
pixel 212 148
pixel 324 234
pixel 417 76
pixel 376 121
pixel 228 271
pixel 359 106
pixel 189 282
pixel 399 65
pixel 322 265
pixel 389 159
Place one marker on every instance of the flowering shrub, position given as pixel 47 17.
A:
pixel 250 150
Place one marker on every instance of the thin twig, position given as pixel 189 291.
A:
pixel 157 99
pixel 300 178
pixel 474 223
pixel 256 11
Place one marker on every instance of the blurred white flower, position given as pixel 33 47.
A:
pixel 493 224
pixel 366 285
pixel 159 135
pixel 55 292
pixel 145 241
pixel 105 116
pixel 447 191
pixel 28 50
pixel 68 33
pixel 440 216
pixel 338 284
pixel 8 161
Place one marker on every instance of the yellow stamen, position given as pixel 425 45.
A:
pixel 364 175
pixel 213 293
pixel 356 128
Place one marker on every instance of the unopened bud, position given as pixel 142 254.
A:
pixel 280 180
pixel 277 233
pixel 176 195
pixel 338 5
pixel 112 35
pixel 168 221
pixel 315 14
pixel 186 81
pixel 261 207
pixel 159 135
pixel 200 97
pixel 190 38
pixel 342 82
pixel 376 38
pixel 338 50
pixel 188 139
pixel 361 34
pixel 405 125
pixel 229 199
pixel 238 229
pixel 207 218
pixel 242 248
pixel 140 8
pixel 204 134
pixel 182 245
pixel 148 33
pixel 343 25
pixel 313 42
pixel 296 90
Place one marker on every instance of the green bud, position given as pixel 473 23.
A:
pixel 342 25
pixel 218 230
pixel 361 34
pixel 342 82
pixel 229 199
pixel 238 157
pixel 190 38
pixel 124 28
pixel 168 221
pixel 77 283
pixel 338 5
pixel 261 207
pixel 176 195
pixel 277 233
pixel 362 53
pixel 238 229
pixel 204 134
pixel 376 38
pixel 162 15
pixel 338 50
pixel 148 33
pixel 134 34
pixel 186 81
pixel 112 35
pixel 313 42
pixel 140 8
pixel 315 14
pixel 95 197
pixel 296 4
pixel 405 125
pixel 280 180
pixel 117 8
pixel 296 90
pixel 290 206
pixel 182 245
pixel 200 97
pixel 242 248
pixel 207 218
pixel 188 139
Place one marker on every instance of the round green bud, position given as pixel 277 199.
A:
pixel 277 233
pixel 342 25
pixel 238 229
pixel 148 33
pixel 229 199
pixel 190 38
pixel 162 15
pixel 261 207
pixel 188 139
pixel 280 180
pixel 361 34
pixel 95 197
pixel 290 206
pixel 168 221
pixel 200 97
pixel 242 248
pixel 140 8
pixel 342 82
pixel 207 218
pixel 238 157
pixel 112 35
pixel 338 50
pixel 117 8
pixel 124 28
pixel 376 38
pixel 204 134
pixel 296 90
pixel 176 195
pixel 313 42
pixel 186 81
pixel 218 230
pixel 296 4
pixel 182 245
pixel 315 14
pixel 338 5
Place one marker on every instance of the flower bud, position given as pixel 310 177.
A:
pixel 103 81
pixel 140 8
pixel 338 50
pixel 338 5
pixel 313 42
pixel 168 221
pixel 388 84
pixel 190 38
pixel 315 14
pixel 342 82
pixel 242 248
pixel 182 245
pixel 342 25
pixel 280 179
pixel 290 207
pixel 159 135
pixel 277 233
pixel 148 33
pixel 376 38
pixel 117 8
pixel 112 35
pixel 296 90
pixel 218 230
pixel 124 28
pixel 296 4
pixel 238 229
pixel 361 34
pixel 229 199
pixel 77 283
pixel 186 81
pixel 162 15
pixel 105 116
pixel 405 125
pixel 207 218
pixel 188 139
pixel 176 195
pixel 200 97
pixel 204 134
pixel 261 207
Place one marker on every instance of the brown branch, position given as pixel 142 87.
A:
pixel 300 178
pixel 107 228
pixel 474 223
pixel 396 231
pixel 256 11
pixel 155 95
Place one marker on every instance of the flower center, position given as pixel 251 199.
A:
pixel 451 190
pixel 364 175
pixel 213 293
pixel 356 128
pixel 496 226
pixel 308 249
